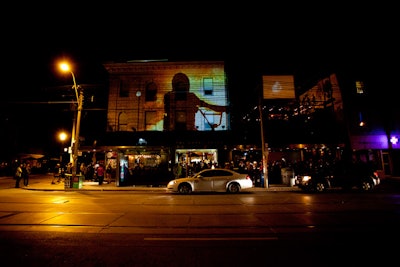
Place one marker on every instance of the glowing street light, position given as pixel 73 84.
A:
pixel 62 136
pixel 75 131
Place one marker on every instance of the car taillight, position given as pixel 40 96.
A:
pixel 248 177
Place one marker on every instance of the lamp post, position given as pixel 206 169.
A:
pixel 138 94
pixel 75 131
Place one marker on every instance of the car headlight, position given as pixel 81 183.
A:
pixel 172 182
pixel 306 178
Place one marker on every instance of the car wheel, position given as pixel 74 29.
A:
pixel 366 186
pixel 320 187
pixel 233 188
pixel 185 189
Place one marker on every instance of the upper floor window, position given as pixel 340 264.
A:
pixel 122 122
pixel 151 92
pixel 360 87
pixel 123 89
pixel 151 120
pixel 180 86
pixel 208 86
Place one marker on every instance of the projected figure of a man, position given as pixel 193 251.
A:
pixel 181 106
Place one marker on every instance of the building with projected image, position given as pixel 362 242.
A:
pixel 162 115
pixel 168 119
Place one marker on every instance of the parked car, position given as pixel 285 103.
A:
pixel 217 180
pixel 345 176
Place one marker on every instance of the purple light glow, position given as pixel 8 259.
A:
pixel 394 140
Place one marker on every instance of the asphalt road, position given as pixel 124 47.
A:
pixel 156 228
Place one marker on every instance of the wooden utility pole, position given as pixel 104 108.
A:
pixel 264 147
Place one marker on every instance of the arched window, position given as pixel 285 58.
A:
pixel 122 122
pixel 181 86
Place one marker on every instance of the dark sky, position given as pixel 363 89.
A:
pixel 308 41
pixel 302 39
pixel 297 39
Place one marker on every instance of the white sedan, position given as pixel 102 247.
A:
pixel 217 180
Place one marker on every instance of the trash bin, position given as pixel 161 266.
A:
pixel 77 181
pixel 73 182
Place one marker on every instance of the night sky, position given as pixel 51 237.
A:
pixel 308 42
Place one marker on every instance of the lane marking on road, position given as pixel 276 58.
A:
pixel 207 238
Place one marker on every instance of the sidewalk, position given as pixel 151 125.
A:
pixel 43 182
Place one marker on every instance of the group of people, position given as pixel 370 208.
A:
pixel 22 172
pixel 103 172
pixel 58 174
pixel 97 172
pixel 92 171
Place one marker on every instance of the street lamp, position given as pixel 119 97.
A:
pixel 138 94
pixel 62 136
pixel 75 131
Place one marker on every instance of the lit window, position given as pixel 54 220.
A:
pixel 360 87
pixel 208 86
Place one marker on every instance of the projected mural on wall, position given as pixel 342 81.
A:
pixel 167 96
pixel 278 86
pixel 184 110
pixel 324 94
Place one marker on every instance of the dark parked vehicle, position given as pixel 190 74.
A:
pixel 342 175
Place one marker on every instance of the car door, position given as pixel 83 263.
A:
pixel 203 181
pixel 220 178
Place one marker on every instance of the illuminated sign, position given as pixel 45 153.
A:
pixel 278 86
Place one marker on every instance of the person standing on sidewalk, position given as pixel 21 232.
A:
pixel 26 170
pixel 100 173
pixel 108 173
pixel 18 175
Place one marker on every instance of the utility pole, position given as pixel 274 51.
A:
pixel 264 146
pixel 77 129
